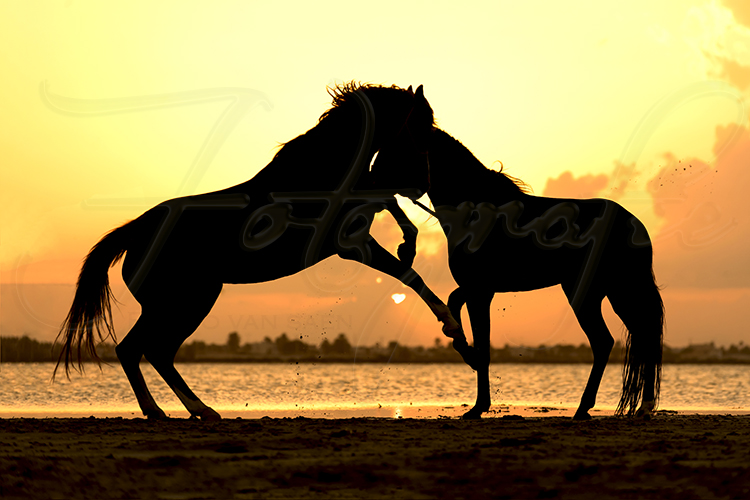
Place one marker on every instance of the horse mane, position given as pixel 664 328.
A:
pixel 334 123
pixel 518 183
pixel 341 95
pixel 450 150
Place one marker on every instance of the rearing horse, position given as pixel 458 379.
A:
pixel 501 239
pixel 314 200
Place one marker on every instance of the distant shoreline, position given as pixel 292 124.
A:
pixel 286 350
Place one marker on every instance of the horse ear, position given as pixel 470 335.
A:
pixel 410 91
pixel 420 92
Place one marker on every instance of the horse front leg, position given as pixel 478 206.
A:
pixel 407 250
pixel 456 301
pixel 450 316
pixel 381 260
pixel 478 306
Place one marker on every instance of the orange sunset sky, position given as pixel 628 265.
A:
pixel 105 110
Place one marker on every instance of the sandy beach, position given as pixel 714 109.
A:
pixel 510 456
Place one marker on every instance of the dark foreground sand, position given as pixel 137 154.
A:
pixel 672 456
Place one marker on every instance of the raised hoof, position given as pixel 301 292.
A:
pixel 582 415
pixel 473 414
pixel 209 415
pixel 156 414
pixel 452 329
pixel 467 352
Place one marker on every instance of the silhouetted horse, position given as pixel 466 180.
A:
pixel 501 239
pixel 314 200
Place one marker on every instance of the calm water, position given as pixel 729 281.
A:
pixel 242 387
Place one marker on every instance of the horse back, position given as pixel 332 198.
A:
pixel 535 242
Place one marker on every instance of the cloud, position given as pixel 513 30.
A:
pixel 705 236
pixel 740 10
pixel 699 219
pixel 719 37
pixel 567 186
pixel 735 73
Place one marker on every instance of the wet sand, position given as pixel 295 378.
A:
pixel 510 456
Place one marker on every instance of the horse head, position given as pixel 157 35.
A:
pixel 402 163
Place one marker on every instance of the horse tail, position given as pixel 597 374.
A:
pixel 642 312
pixel 91 310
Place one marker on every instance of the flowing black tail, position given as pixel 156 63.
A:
pixel 92 310
pixel 642 311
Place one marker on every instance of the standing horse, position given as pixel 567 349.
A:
pixel 502 239
pixel 314 200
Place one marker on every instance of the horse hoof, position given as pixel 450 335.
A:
pixel 467 352
pixel 157 414
pixel 452 329
pixel 209 415
pixel 582 415
pixel 644 415
pixel 645 411
pixel 473 414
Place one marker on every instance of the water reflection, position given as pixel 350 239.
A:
pixel 238 387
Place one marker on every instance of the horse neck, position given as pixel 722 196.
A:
pixel 322 157
pixel 456 176
pixel 317 160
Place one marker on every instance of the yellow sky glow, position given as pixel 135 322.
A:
pixel 544 87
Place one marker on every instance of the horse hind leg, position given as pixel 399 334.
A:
pixel 590 318
pixel 163 363
pixel 129 352
pixel 177 322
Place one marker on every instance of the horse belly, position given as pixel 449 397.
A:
pixel 513 266
pixel 288 255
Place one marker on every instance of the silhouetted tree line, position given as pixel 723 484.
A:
pixel 25 349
